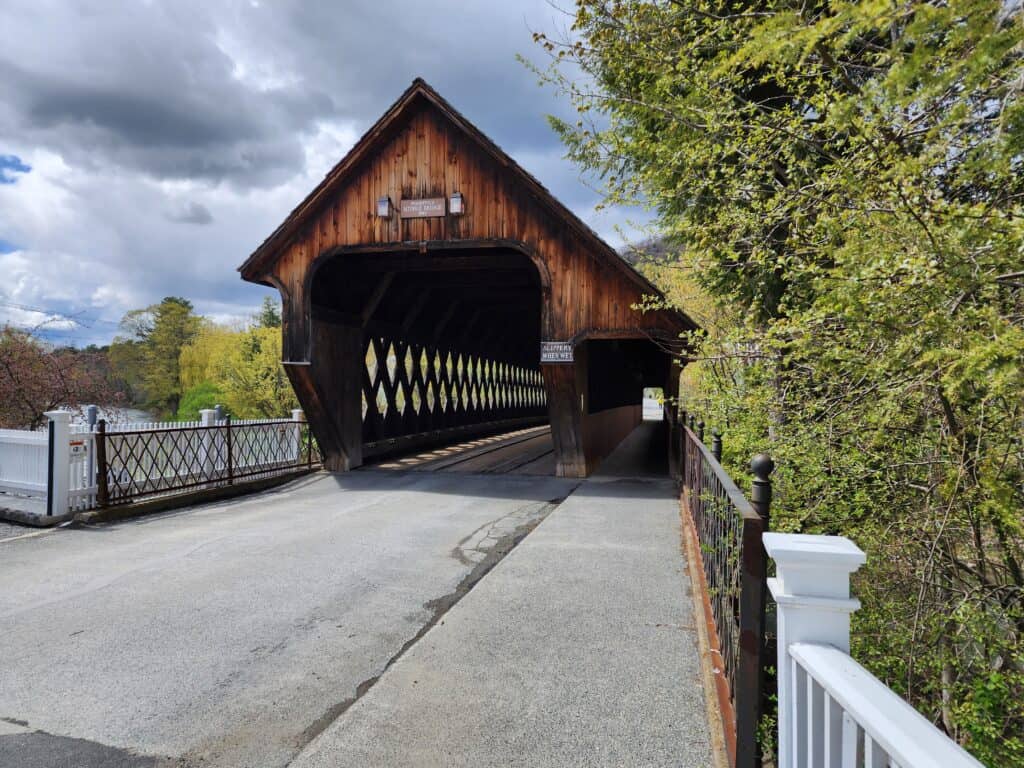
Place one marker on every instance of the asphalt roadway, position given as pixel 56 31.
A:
pixel 232 634
pixel 368 619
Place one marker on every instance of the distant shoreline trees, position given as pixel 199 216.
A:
pixel 174 362
pixel 36 377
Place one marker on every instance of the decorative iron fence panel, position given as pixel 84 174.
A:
pixel 142 463
pixel 729 530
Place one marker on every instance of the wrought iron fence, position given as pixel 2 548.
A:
pixel 146 462
pixel 728 530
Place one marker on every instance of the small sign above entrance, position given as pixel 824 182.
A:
pixel 556 352
pixel 422 209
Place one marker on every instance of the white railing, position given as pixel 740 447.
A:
pixel 832 712
pixel 177 452
pixel 23 461
pixel 81 468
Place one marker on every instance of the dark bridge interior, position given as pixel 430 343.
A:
pixel 450 340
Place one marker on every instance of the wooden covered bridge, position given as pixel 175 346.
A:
pixel 434 290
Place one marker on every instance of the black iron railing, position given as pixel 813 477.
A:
pixel 142 463
pixel 728 529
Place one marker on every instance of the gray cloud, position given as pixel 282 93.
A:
pixel 149 88
pixel 191 213
pixel 230 91
pixel 137 118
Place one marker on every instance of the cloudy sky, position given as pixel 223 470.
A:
pixel 147 147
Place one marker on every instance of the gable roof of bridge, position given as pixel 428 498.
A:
pixel 267 253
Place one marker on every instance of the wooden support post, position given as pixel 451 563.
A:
pixel 330 392
pixel 675 429
pixel 565 384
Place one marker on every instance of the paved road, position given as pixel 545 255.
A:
pixel 14 530
pixel 232 635
pixel 578 649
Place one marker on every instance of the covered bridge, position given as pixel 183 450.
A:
pixel 432 289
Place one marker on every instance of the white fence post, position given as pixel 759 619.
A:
pixel 299 417
pixel 58 482
pixel 207 442
pixel 812 591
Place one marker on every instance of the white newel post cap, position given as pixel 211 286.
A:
pixel 813 566
pixel 812 591
pixel 297 414
pixel 208 416
pixel 61 417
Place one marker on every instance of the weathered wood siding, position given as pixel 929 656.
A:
pixel 422 148
pixel 428 156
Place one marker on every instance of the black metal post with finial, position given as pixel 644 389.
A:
pixel 700 430
pixel 761 491
pixel 750 670
pixel 102 484
pixel 693 422
pixel 716 445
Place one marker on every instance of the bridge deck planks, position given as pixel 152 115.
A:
pixel 522 452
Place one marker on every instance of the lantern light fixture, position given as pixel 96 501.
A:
pixel 456 206
pixel 384 207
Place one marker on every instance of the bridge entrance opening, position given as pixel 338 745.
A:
pixel 445 344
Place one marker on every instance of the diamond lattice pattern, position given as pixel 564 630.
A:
pixel 412 388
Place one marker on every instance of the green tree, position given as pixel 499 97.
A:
pixel 147 354
pixel 252 377
pixel 204 395
pixel 269 315
pixel 35 378
pixel 243 368
pixel 847 179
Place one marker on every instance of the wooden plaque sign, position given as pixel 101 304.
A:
pixel 422 209
pixel 556 352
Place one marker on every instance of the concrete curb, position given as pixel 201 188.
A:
pixel 31 518
pixel 193 498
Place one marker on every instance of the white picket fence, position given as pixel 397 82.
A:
pixel 176 453
pixel 23 457
pixel 833 713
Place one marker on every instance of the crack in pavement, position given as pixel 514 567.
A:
pixel 438 607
